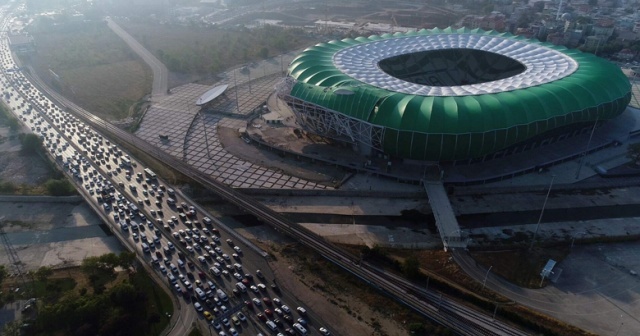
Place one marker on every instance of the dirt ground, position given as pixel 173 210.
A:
pixel 17 167
pixel 307 170
pixel 347 304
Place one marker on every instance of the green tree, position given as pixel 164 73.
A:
pixel 31 143
pixel 411 267
pixel 43 273
pixel 264 52
pixel 3 273
pixel 126 259
pixel 59 187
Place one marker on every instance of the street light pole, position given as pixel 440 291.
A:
pixel 485 276
pixel 542 212
pixel 584 154
pixel 235 83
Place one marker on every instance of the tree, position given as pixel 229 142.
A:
pixel 411 267
pixel 126 259
pixel 59 187
pixel 31 143
pixel 3 273
pixel 43 273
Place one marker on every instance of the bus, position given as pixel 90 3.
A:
pixel 150 174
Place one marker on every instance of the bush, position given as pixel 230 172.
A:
pixel 59 187
pixel 31 143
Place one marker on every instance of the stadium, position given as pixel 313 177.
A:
pixel 452 95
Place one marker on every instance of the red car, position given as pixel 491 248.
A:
pixel 267 301
pixel 268 312
pixel 261 317
pixel 248 303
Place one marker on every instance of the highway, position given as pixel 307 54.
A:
pixel 160 84
pixel 163 223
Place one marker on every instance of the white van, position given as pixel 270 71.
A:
pixel 272 325
pixel 300 329
pixel 241 287
pixel 200 294
pixel 222 295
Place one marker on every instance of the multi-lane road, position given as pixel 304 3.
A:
pixel 162 226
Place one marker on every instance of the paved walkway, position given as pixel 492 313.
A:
pixel 444 215
pixel 160 72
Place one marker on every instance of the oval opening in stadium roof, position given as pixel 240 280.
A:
pixel 451 67
pixel 211 94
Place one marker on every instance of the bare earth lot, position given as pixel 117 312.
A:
pixel 54 234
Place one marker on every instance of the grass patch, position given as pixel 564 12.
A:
pixel 198 51
pixel 95 68
pixel 521 267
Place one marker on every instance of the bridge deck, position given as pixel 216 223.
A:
pixel 443 212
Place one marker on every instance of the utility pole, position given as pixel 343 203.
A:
pixel 542 212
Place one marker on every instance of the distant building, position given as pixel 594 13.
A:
pixel 626 55
pixel 21 43
pixel 493 21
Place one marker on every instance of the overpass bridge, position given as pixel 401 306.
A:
pixel 442 211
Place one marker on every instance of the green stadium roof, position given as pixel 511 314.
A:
pixel 558 87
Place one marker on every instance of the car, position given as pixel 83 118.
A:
pixel 257 302
pixel 226 323
pixel 286 309
pixel 267 301
pixel 230 242
pixel 198 306
pixel 237 276
pixel 261 316
pixel 276 301
pixel 254 288
pixel 233 332
pixel 268 312
pixel 302 311
pixel 216 325
pixel 241 316
pixel 262 287
pixel 278 311
pixel 237 249
pixel 207 315
pixel 163 269
pixel 288 318
pixel 324 331
pixel 302 321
